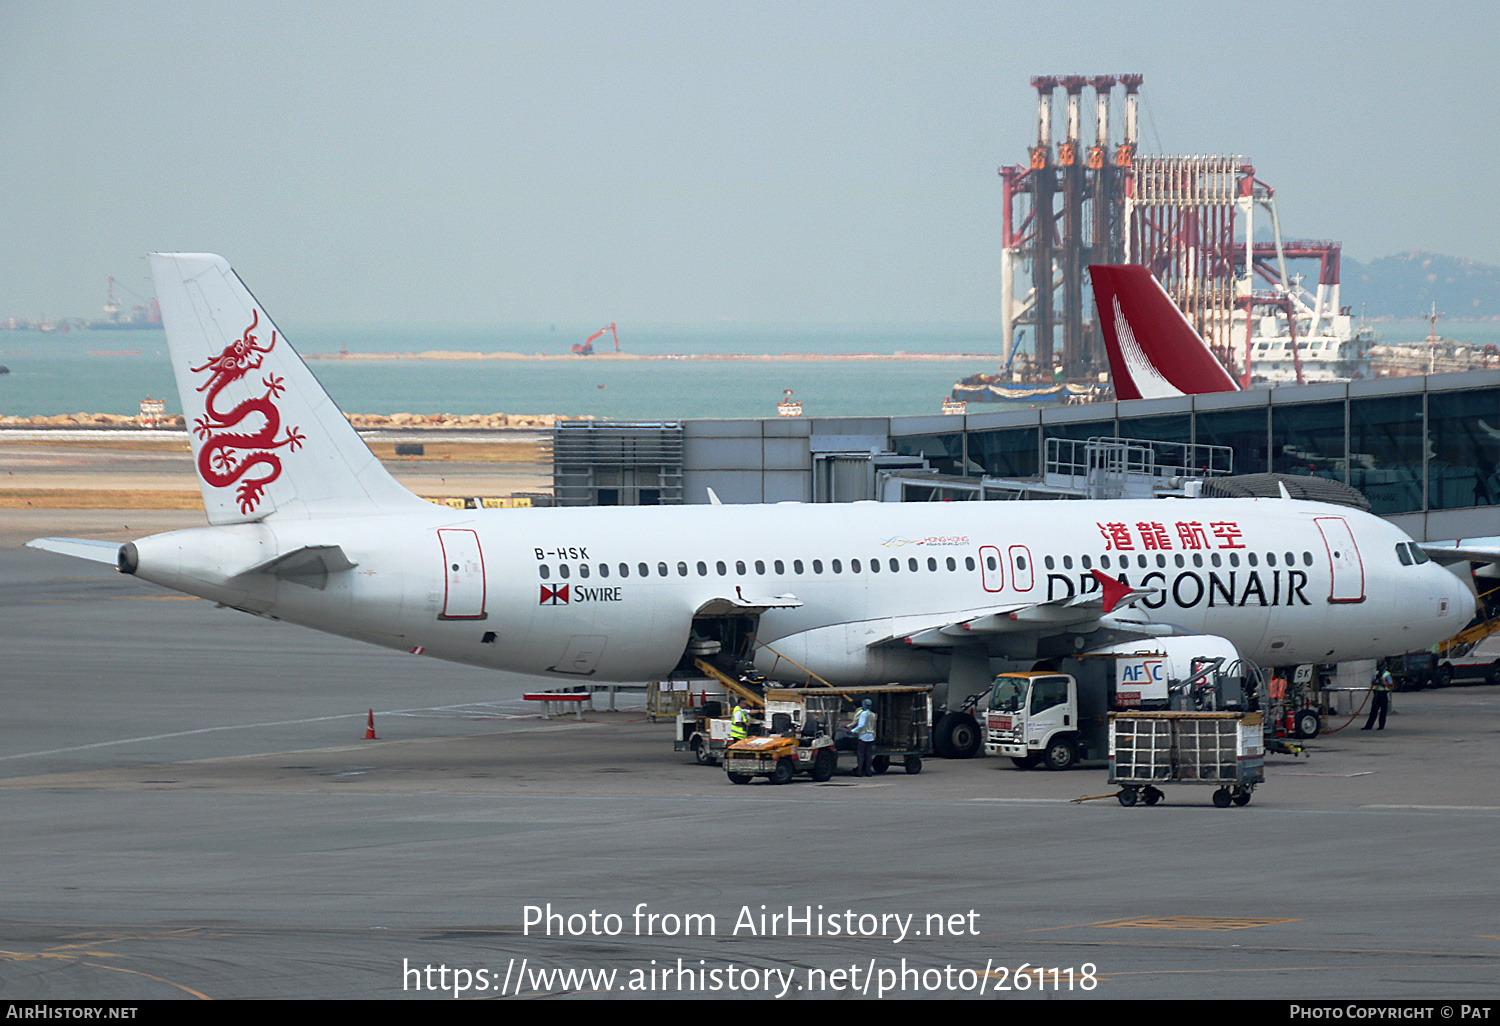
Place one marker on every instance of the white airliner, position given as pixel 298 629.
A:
pixel 308 527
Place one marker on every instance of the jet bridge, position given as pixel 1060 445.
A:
pixel 1092 468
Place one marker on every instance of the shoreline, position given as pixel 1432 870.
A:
pixel 444 354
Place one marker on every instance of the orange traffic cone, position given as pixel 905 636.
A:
pixel 370 728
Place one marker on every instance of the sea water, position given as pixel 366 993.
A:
pixel 112 371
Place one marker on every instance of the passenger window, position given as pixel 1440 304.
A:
pixel 645 569
pixel 1067 562
pixel 681 569
pixel 895 565
pixel 911 564
pixel 952 563
pixel 854 566
pixel 562 570
pixel 721 568
pixel 1050 563
pixel 603 569
pixel 661 568
pixel 1307 559
pixel 624 569
pixel 968 562
pixel 1088 564
pixel 760 566
pixel 780 567
pixel 583 569
pixel 702 569
pixel 1214 559
pixel 931 563
pixel 1252 558
pixel 796 566
pixel 874 566
pixel 838 567
pixel 544 571
pixel 739 567
pixel 817 566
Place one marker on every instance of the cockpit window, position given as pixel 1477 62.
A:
pixel 1420 555
pixel 1403 553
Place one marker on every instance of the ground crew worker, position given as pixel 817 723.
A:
pixel 739 722
pixel 1380 694
pixel 864 732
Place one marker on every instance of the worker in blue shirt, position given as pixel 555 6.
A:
pixel 864 732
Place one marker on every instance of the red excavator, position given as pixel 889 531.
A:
pixel 586 347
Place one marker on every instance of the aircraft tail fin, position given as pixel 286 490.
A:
pixel 1153 350
pixel 266 437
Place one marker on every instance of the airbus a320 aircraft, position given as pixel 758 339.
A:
pixel 308 527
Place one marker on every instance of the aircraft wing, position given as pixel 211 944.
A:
pixel 1475 550
pixel 82 548
pixel 1090 612
pixel 748 604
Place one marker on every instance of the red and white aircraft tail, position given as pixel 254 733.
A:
pixel 266 438
pixel 1154 352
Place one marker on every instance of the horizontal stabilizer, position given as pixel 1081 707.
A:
pixel 80 548
pixel 309 565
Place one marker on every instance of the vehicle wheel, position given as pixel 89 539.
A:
pixel 1060 755
pixel 1308 723
pixel 739 778
pixel 913 765
pixel 703 753
pixel 1152 796
pixel 823 765
pixel 1492 675
pixel 1445 675
pixel 881 763
pixel 956 736
pixel 1027 762
pixel 1241 798
pixel 783 773
pixel 1126 797
pixel 1221 798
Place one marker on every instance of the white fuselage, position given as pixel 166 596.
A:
pixel 610 594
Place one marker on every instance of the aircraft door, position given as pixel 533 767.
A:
pixel 463 575
pixel 1020 568
pixel 1348 570
pixel 991 573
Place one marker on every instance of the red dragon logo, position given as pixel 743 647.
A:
pixel 227 457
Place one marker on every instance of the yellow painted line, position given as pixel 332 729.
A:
pixel 1191 923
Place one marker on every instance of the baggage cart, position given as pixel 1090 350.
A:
pixel 1224 749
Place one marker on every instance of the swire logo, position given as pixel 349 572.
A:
pixel 554 596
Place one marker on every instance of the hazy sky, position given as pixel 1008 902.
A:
pixel 686 162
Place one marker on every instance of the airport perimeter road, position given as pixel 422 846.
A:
pixel 189 811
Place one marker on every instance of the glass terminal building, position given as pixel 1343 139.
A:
pixel 1424 450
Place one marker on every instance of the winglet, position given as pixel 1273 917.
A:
pixel 1154 353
